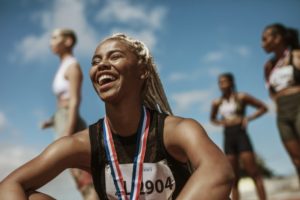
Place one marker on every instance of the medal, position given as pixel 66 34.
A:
pixel 111 155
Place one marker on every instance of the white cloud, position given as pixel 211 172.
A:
pixel 63 14
pixel 3 121
pixel 33 47
pixel 188 100
pixel 243 51
pixel 227 52
pixel 195 75
pixel 135 19
pixel 214 56
pixel 177 76
pixel 127 13
pixel 215 71
pixel 13 156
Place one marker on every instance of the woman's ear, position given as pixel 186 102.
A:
pixel 68 42
pixel 278 39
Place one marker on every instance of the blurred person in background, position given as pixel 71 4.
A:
pixel 67 89
pixel 231 106
pixel 282 75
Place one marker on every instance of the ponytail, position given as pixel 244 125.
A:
pixel 289 35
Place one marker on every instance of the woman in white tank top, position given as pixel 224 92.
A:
pixel 282 74
pixel 67 89
pixel 229 111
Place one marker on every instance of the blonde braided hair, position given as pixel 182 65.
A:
pixel 154 96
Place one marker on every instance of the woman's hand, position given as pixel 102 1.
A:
pixel 47 124
pixel 245 122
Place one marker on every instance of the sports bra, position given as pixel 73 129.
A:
pixel 163 176
pixel 61 86
pixel 283 75
pixel 230 108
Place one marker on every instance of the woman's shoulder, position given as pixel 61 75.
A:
pixel 217 101
pixel 77 142
pixel 242 95
pixel 177 124
pixel 82 137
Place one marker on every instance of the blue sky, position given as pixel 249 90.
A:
pixel 191 41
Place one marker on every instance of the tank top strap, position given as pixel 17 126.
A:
pixel 97 158
pixel 160 130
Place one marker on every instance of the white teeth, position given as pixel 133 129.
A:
pixel 105 76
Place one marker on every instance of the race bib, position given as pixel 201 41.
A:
pixel 158 181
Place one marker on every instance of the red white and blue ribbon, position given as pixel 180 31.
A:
pixel 111 155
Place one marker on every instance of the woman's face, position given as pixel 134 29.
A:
pixel 57 42
pixel 269 41
pixel 115 72
pixel 225 84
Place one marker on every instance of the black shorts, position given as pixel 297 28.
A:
pixel 236 140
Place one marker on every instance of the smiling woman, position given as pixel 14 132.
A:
pixel 139 150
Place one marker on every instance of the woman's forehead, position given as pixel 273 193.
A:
pixel 113 44
pixel 56 32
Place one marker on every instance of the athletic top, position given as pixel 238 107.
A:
pixel 231 108
pixel 61 86
pixel 163 176
pixel 283 75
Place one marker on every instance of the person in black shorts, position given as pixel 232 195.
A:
pixel 282 75
pixel 139 150
pixel 231 106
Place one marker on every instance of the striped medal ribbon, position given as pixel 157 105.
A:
pixel 111 155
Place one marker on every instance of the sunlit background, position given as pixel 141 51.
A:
pixel 192 43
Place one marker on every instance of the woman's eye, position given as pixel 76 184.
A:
pixel 115 56
pixel 95 61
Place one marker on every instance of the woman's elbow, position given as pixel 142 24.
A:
pixel 10 188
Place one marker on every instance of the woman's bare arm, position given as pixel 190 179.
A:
pixel 67 152
pixel 186 140
pixel 296 58
pixel 214 112
pixel 261 108
pixel 74 76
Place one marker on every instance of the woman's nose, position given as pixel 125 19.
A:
pixel 103 65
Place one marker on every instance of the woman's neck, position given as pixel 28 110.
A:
pixel 228 94
pixel 279 52
pixel 65 55
pixel 123 119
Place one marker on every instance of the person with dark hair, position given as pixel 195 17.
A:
pixel 282 75
pixel 139 150
pixel 231 106
pixel 67 89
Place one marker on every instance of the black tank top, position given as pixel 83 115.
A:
pixel 125 148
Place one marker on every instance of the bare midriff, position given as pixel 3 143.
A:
pixel 236 120
pixel 62 103
pixel 287 91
